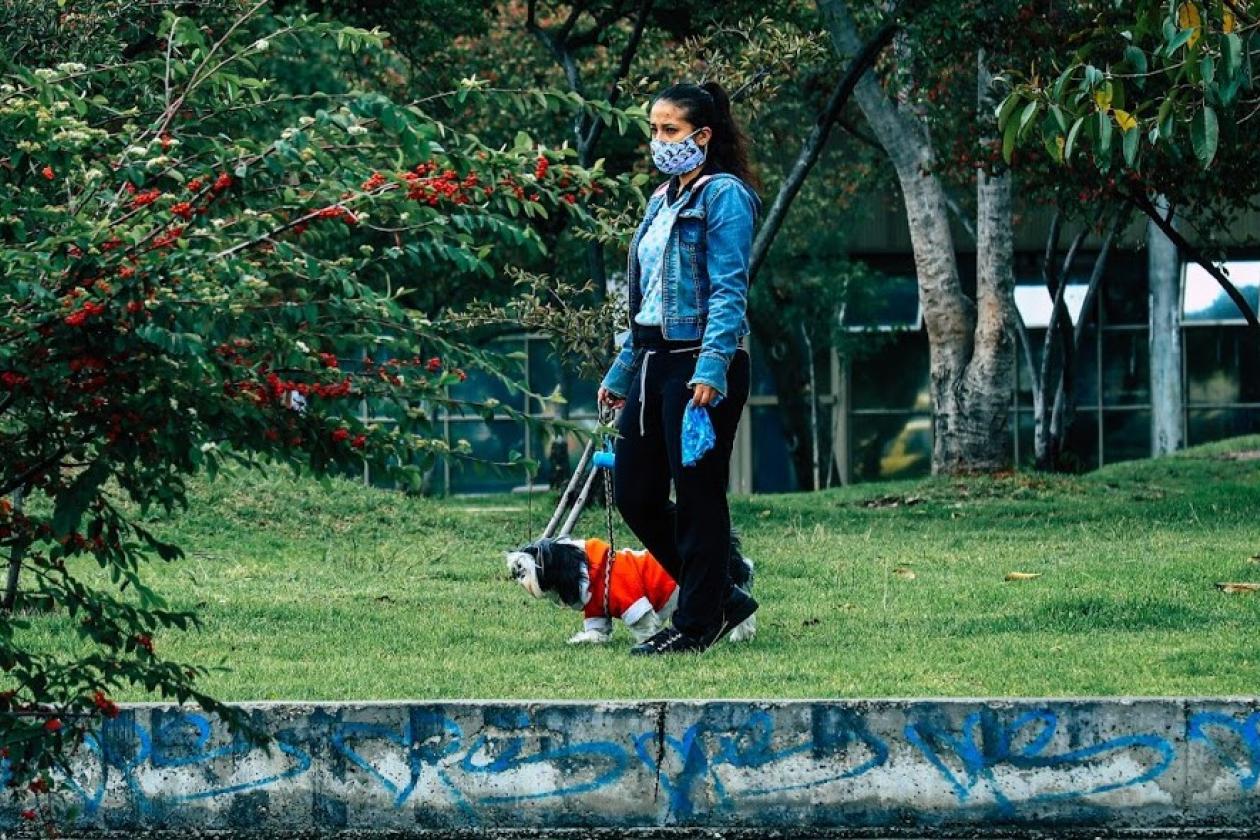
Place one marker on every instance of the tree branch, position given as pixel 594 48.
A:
pixel 812 148
pixel 587 144
pixel 1165 225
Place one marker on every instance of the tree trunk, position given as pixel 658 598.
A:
pixel 1168 432
pixel 971 351
pixel 989 379
pixel 17 553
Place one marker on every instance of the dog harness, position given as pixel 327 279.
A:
pixel 639 583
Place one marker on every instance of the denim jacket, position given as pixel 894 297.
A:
pixel 704 292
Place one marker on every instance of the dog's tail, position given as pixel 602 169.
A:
pixel 741 567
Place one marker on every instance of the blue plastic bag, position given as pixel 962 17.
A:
pixel 698 436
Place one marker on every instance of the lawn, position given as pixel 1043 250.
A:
pixel 898 589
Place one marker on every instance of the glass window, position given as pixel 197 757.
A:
pixel 1086 366
pixel 544 372
pixel 761 375
pixel 1035 304
pixel 541 442
pixel 1126 435
pixel 1024 380
pixel 1126 368
pixel 1124 290
pixel 1209 424
pixel 492 441
pixel 887 446
pixel 1080 449
pixel 481 385
pixel 773 468
pixel 1221 366
pixel 884 303
pixel 1024 424
pixel 1203 299
pixel 893 373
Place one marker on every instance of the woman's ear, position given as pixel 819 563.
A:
pixel 704 136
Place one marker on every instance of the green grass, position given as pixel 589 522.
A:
pixel 308 594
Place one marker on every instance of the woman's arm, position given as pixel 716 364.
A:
pixel 730 217
pixel 617 380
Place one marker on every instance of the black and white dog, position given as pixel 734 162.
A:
pixel 642 594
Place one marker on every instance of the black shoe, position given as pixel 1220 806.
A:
pixel 737 609
pixel 669 640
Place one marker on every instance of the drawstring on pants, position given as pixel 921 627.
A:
pixel 647 354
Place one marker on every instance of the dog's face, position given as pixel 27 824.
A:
pixel 523 567
pixel 551 568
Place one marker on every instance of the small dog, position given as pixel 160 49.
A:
pixel 643 595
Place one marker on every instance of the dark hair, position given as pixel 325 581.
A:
pixel 707 105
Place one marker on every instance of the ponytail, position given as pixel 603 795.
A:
pixel 708 105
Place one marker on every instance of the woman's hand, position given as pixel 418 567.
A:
pixel 703 394
pixel 606 397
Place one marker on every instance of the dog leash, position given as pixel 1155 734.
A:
pixel 606 418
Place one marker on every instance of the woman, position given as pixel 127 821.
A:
pixel 688 284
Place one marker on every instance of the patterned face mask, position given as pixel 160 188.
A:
pixel 680 157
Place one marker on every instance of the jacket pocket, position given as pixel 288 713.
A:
pixel 690 224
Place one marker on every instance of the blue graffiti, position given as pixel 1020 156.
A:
pixel 420 753
pixel 509 758
pixel 153 750
pixel 750 746
pixel 985 744
pixel 501 755
pixel 1248 732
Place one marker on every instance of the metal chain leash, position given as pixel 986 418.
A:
pixel 606 414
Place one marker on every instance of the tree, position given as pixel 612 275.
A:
pixel 972 359
pixel 199 271
pixel 1151 102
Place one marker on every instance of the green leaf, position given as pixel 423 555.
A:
pixel 1104 129
pixel 1231 55
pixel 1070 146
pixel 1135 58
pixel 1164 123
pixel 1007 108
pixel 1008 140
pixel 1179 40
pixel 1026 117
pixel 1060 119
pixel 1131 140
pixel 1205 135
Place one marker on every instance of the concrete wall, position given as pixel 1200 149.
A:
pixel 927 764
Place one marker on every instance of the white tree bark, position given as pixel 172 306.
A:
pixel 972 358
pixel 1168 432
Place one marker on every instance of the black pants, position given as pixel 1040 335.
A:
pixel 692 537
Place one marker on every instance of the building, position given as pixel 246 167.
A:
pixel 874 412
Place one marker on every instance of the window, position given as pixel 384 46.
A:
pixel 889 303
pixel 1035 304
pixel 1204 301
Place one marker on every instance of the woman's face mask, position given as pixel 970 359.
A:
pixel 677 158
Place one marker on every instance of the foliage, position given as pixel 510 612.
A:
pixel 188 282
pixel 1155 96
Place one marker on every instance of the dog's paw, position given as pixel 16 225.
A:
pixel 590 637
pixel 745 631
